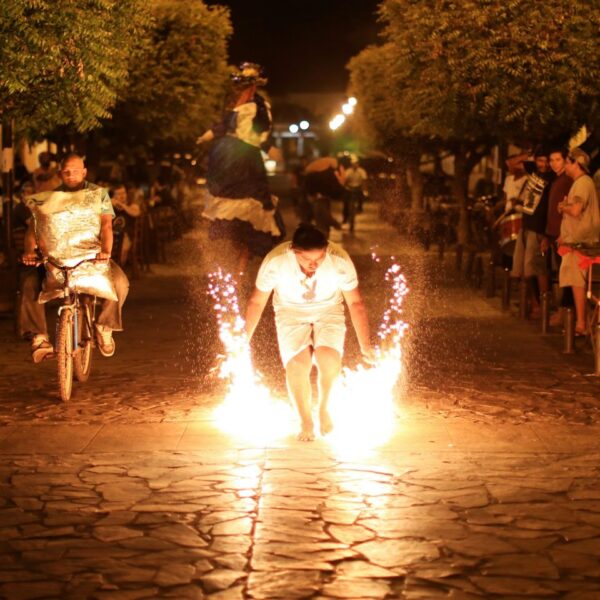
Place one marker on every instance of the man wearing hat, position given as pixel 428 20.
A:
pixel 580 225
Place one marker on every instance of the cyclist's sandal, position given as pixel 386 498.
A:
pixel 106 342
pixel 41 351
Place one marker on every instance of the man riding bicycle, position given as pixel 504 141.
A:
pixel 32 317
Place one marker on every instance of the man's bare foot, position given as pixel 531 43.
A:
pixel 326 424
pixel 307 433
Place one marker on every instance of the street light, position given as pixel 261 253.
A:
pixel 293 128
pixel 352 101
pixel 347 108
pixel 304 125
pixel 336 122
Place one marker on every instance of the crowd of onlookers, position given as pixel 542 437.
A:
pixel 549 200
pixel 553 202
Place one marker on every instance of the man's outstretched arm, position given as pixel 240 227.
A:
pixel 360 321
pixel 254 310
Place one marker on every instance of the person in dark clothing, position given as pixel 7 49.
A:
pixel 323 181
pixel 528 259
pixel 557 191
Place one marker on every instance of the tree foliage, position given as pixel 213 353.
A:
pixel 381 116
pixel 178 77
pixel 64 62
pixel 495 68
pixel 376 111
pixel 466 74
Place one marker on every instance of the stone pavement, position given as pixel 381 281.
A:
pixel 489 486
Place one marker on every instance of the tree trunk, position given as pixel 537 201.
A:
pixel 7 185
pixel 459 192
pixel 416 190
pixel 393 194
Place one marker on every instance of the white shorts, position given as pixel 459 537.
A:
pixel 297 330
pixel 570 274
pixel 528 260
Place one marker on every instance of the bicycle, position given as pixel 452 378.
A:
pixel 74 340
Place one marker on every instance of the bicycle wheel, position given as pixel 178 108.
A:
pixel 64 354
pixel 82 360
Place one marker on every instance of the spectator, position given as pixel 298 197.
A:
pixel 514 181
pixel 559 188
pixel 22 214
pixel 127 212
pixel 46 177
pixel 302 207
pixel 597 181
pixel 580 225
pixel 485 185
pixel 160 193
pixel 528 259
pixel 135 195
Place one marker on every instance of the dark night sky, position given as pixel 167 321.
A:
pixel 303 45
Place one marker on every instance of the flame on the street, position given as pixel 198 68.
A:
pixel 362 404
pixel 249 410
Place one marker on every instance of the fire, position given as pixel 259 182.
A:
pixel 362 403
pixel 249 410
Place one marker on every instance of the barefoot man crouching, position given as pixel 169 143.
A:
pixel 310 278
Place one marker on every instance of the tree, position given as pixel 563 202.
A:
pixel 514 69
pixel 177 78
pixel 436 102
pixel 473 72
pixel 382 119
pixel 63 64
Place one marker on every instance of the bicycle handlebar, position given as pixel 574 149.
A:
pixel 47 259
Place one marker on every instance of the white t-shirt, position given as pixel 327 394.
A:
pixel 586 227
pixel 281 273
pixel 354 178
pixel 512 188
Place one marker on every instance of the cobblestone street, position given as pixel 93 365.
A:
pixel 489 486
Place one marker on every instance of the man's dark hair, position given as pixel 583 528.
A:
pixel 564 152
pixel 114 188
pixel 308 237
pixel 70 156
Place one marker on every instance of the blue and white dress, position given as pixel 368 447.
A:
pixel 240 205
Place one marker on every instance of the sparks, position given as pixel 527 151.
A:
pixel 249 411
pixel 363 402
pixel 363 405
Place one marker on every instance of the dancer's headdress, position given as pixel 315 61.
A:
pixel 249 73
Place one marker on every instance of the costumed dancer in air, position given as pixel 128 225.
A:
pixel 240 206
